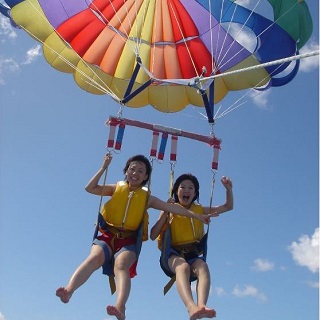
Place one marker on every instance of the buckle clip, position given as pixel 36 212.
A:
pixel 119 235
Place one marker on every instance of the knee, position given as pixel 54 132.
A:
pixel 183 268
pixel 201 268
pixel 119 265
pixel 204 267
pixel 124 261
pixel 96 260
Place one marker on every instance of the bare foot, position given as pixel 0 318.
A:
pixel 63 294
pixel 113 311
pixel 195 313
pixel 207 313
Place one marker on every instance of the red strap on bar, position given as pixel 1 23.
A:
pixel 173 153
pixel 215 160
pixel 113 123
pixel 112 132
pixel 154 144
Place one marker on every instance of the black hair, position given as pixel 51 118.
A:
pixel 185 176
pixel 143 159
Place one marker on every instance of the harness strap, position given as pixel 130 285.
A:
pixel 112 284
pixel 120 234
pixel 168 286
pixel 117 234
pixel 183 251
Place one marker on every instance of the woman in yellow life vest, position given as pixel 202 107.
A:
pixel 184 259
pixel 116 248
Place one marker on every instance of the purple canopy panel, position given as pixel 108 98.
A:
pixel 57 11
pixel 226 50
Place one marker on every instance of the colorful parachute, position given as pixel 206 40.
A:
pixel 157 51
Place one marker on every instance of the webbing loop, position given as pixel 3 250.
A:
pixel 113 143
pixel 174 143
pixel 154 144
pixel 163 144
pixel 120 134
pixel 215 158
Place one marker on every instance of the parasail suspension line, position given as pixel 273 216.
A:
pixel 129 94
pixel 173 160
pixel 263 65
pixel 97 223
pixel 208 102
pixel 133 77
pixel 136 92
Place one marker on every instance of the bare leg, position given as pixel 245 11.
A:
pixel 121 271
pixel 201 271
pixel 94 261
pixel 182 271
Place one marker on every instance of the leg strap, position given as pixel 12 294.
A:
pixel 112 284
pixel 169 285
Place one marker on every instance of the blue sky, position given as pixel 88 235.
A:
pixel 263 255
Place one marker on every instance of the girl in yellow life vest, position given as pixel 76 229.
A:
pixel 184 257
pixel 115 248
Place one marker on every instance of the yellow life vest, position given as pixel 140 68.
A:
pixel 125 209
pixel 187 230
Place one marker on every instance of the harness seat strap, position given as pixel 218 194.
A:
pixel 112 284
pixel 168 286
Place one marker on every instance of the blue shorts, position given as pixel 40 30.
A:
pixel 126 245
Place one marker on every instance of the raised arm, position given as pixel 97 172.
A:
pixel 93 184
pixel 228 205
pixel 158 204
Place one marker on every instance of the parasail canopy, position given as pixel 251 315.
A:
pixel 145 52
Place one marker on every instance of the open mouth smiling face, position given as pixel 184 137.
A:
pixel 186 193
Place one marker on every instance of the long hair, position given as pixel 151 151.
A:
pixel 143 159
pixel 185 176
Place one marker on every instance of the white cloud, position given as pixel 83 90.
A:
pixel 32 54
pixel 8 64
pixel 6 28
pixel 262 265
pixel 310 63
pixel 220 291
pixel 314 284
pixel 2 316
pixel 305 252
pixel 248 291
pixel 260 98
